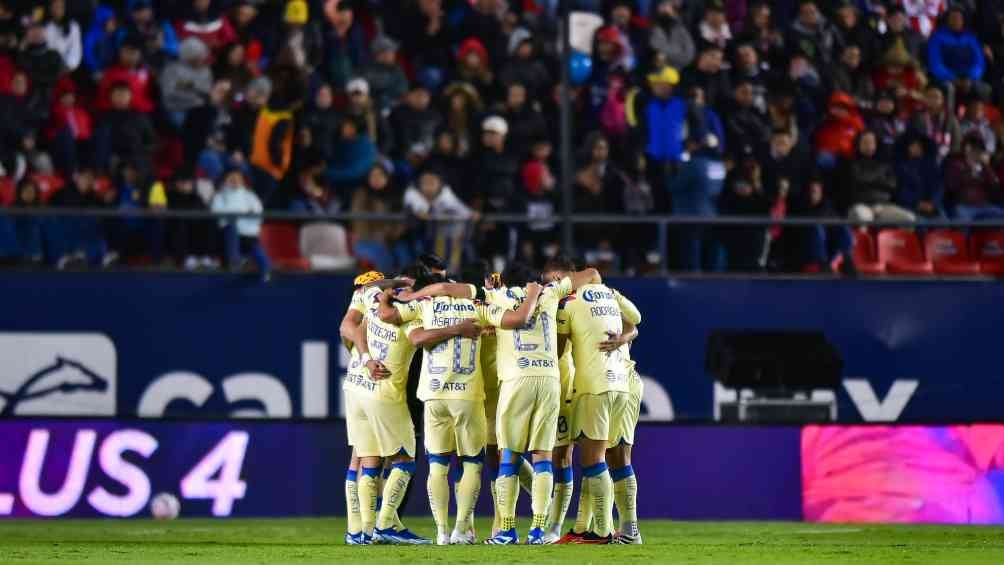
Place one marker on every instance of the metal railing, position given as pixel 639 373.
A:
pixel 663 222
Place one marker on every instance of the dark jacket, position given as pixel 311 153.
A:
pixel 43 66
pixel 493 176
pixel 323 126
pixel 869 181
pixel 745 127
pixel 126 134
pixel 816 44
pixel 918 179
pixel 971 185
pixel 409 126
pixel 525 125
pixel 696 188
pixel 387 84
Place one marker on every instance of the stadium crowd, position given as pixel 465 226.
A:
pixel 865 109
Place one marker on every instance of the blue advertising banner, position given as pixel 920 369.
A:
pixel 96 468
pixel 151 345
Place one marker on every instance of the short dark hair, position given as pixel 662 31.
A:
pixel 476 272
pixel 424 277
pixel 431 260
pixel 560 263
pixel 519 274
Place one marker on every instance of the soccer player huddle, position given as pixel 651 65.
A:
pixel 516 369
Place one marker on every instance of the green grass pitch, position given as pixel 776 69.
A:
pixel 280 541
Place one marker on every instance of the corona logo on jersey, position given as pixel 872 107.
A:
pixel 441 307
pixel 590 295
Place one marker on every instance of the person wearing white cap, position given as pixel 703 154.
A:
pixel 494 125
pixel 363 110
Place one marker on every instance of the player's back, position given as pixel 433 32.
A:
pixel 531 351
pixel 589 317
pixel 452 368
pixel 388 344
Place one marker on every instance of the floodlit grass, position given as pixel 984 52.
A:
pixel 280 541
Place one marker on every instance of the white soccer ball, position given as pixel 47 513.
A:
pixel 165 506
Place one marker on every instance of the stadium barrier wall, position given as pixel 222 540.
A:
pixel 216 346
pixel 108 468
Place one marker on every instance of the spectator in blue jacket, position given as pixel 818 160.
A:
pixel 695 192
pixel 659 124
pixel 100 43
pixel 955 56
pixel 354 156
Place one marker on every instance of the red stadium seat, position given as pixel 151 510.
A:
pixel 949 253
pixel 281 241
pixel 864 254
pixel 7 191
pixel 987 247
pixel 900 250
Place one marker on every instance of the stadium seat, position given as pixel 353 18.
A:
pixel 900 251
pixel 281 243
pixel 864 254
pixel 326 246
pixel 7 191
pixel 948 251
pixel 987 247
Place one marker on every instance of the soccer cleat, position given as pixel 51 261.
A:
pixel 353 539
pixel 571 537
pixel 589 538
pixel 462 538
pixel 362 538
pixel 411 538
pixel 505 537
pixel 551 537
pixel 443 539
pixel 627 539
pixel 390 536
pixel 535 537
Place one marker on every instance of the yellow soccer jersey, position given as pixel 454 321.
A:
pixel 355 368
pixel 451 369
pixel 388 344
pixel 589 317
pixel 533 350
pixel 566 369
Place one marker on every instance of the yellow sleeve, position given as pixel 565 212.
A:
pixel 357 303
pixel 474 291
pixel 408 310
pixel 565 287
pixel 628 309
pixel 490 315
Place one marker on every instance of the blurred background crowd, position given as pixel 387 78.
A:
pixel 863 109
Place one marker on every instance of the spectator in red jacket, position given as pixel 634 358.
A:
pixel 835 137
pixel 206 23
pixel 131 70
pixel 70 127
